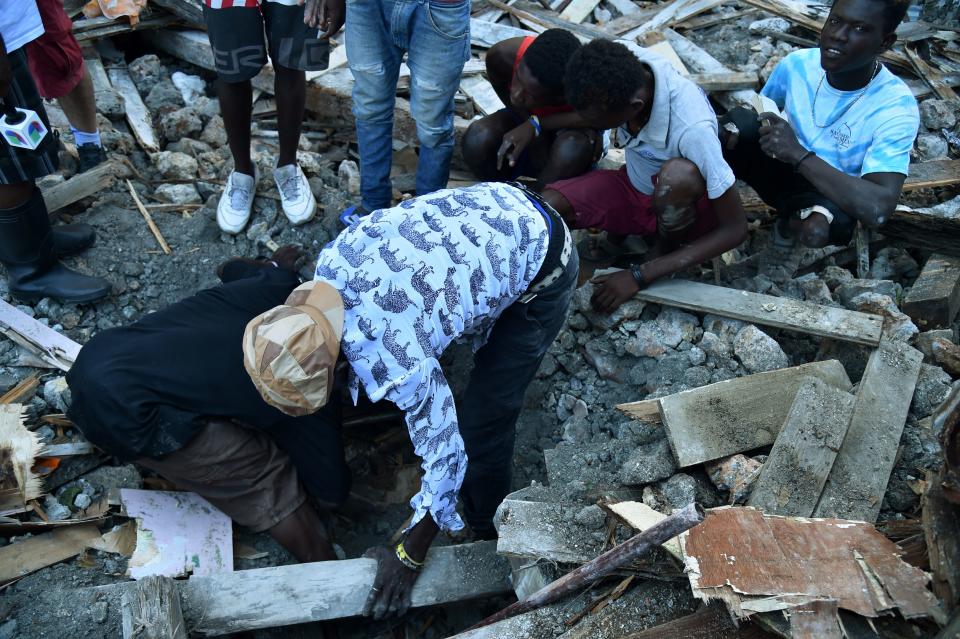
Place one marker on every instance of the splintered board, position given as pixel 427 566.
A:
pixel 740 414
pixel 780 312
pixel 859 476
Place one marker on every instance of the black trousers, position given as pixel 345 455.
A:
pixel 776 182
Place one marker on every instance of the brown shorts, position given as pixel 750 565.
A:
pixel 239 470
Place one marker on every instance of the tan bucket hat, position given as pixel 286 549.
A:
pixel 290 351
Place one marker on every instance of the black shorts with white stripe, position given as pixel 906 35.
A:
pixel 24 165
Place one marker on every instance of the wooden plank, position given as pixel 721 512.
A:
pixel 151 610
pixel 185 9
pixel 537 18
pixel 646 410
pixel 58 350
pixel 793 476
pixel 82 185
pixel 931 76
pixel 934 298
pixel 66 450
pixel 712 20
pixel 740 414
pixel 578 10
pixel 858 480
pixel 781 312
pixel 544 530
pixel 485 34
pixel 640 517
pixel 676 11
pixel 284 595
pixel 478 89
pixel 136 113
pixel 30 555
pixel 699 61
pixel 730 81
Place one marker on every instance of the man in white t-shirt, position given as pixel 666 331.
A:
pixel 29 246
pixel 841 151
pixel 676 187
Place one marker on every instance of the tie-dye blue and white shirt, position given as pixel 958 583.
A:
pixel 874 136
pixel 415 277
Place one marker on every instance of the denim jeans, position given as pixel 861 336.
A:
pixel 436 37
pixel 503 369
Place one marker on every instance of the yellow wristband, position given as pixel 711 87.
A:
pixel 406 559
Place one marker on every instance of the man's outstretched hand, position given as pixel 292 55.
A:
pixel 610 291
pixel 390 595
pixel 328 15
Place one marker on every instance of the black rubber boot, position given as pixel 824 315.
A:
pixel 70 239
pixel 27 251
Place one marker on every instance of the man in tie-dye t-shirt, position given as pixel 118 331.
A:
pixel 841 147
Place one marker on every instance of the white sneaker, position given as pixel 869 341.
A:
pixel 233 211
pixel 297 199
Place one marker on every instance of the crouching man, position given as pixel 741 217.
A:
pixel 841 151
pixel 490 262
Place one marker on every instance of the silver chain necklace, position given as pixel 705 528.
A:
pixel 813 108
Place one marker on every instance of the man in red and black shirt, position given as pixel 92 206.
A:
pixel 538 134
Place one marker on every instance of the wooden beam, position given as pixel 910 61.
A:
pixel 485 34
pixel 284 595
pixel 184 9
pixel 925 175
pixel 934 298
pixel 740 414
pixel 931 76
pixel 710 622
pixel 793 476
pixel 858 480
pixel 536 17
pixel 151 610
pixel 646 410
pixel 82 185
pixel 30 555
pixel 52 347
pixel 578 10
pixel 699 61
pixel 941 529
pixel 479 89
pixel 136 113
pixel 673 12
pixel 731 81
pixel 780 312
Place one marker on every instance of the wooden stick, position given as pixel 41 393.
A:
pixel 146 215
pixel 614 559
pixel 19 392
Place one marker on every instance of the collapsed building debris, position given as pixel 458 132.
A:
pixel 795 393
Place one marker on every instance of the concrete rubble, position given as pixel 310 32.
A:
pixel 577 453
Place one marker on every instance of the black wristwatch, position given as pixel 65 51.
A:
pixel 637 271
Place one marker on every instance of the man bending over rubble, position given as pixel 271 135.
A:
pixel 841 151
pixel 676 187
pixel 489 262
pixel 537 134
pixel 242 33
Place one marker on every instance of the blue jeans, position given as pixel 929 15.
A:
pixel 503 368
pixel 436 37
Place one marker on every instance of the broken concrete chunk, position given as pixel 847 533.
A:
pixel 735 474
pixel 947 355
pixel 937 114
pixel 757 351
pixel 182 123
pixel 349 175
pixel 191 87
pixel 849 290
pixel 931 146
pixel 163 97
pixel 214 134
pixel 897 326
pixel 178 194
pixel 57 394
pixel 648 463
pixel 175 166
pixel 630 310
pixel 933 385
pixel 146 71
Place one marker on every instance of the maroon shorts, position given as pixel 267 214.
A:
pixel 606 200
pixel 55 59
